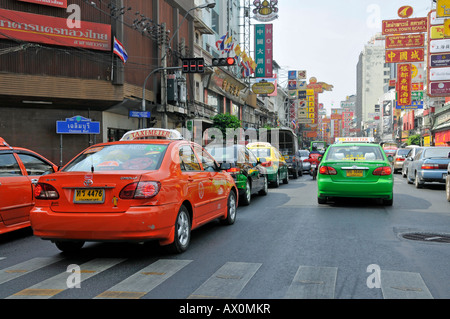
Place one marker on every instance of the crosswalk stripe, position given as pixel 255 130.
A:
pixel 227 282
pixel 403 285
pixel 26 267
pixel 313 283
pixel 145 280
pixel 54 285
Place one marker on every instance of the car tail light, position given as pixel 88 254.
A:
pixel 267 164
pixel 382 171
pixel 140 190
pixel 327 170
pixel 45 191
pixel 233 170
pixel 430 166
pixel 400 159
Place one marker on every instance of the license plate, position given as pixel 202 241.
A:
pixel 355 173
pixel 313 165
pixel 89 196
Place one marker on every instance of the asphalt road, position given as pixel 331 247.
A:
pixel 284 245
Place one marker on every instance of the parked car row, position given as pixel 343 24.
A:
pixel 150 185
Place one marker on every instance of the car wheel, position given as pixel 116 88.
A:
pixel 417 183
pixel 231 210
pixel 447 188
pixel 388 202
pixel 247 194
pixel 408 180
pixel 286 179
pixel 321 200
pixel 277 181
pixel 265 189
pixel 295 174
pixel 403 173
pixel 69 246
pixel 182 232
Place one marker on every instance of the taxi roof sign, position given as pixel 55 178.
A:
pixel 152 133
pixel 354 140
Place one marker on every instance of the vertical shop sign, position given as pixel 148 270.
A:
pixel 263 50
pixel 404 84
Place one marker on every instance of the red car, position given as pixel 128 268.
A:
pixel 136 189
pixel 18 167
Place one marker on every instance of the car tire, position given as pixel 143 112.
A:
pixel 276 184
pixel 408 180
pixel 388 202
pixel 69 246
pixel 321 200
pixel 417 183
pixel 265 189
pixel 231 210
pixel 182 235
pixel 246 199
pixel 447 188
pixel 286 179
pixel 295 174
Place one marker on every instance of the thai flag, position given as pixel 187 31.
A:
pixel 120 50
pixel 294 123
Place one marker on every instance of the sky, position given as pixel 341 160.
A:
pixel 326 37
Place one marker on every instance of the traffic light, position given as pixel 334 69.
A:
pixel 193 65
pixel 223 61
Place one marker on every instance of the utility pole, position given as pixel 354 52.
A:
pixel 164 119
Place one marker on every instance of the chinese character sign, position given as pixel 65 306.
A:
pixel 263 50
pixel 404 84
pixel 405 55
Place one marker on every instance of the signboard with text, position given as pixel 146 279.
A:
pixel 404 84
pixel 405 41
pixel 399 26
pixel 52 3
pixel 29 27
pixel 405 55
pixel 263 50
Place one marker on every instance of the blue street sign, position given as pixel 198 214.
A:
pixel 413 105
pixel 77 125
pixel 139 114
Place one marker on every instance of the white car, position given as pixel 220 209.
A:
pixel 304 154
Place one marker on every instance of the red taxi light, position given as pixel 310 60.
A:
pixel 233 170
pixel 267 164
pixel 45 191
pixel 430 166
pixel 140 190
pixel 327 170
pixel 382 171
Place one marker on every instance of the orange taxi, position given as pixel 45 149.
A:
pixel 18 167
pixel 150 185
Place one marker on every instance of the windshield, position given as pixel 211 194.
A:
pixel 304 153
pixel 119 157
pixel 354 153
pixel 403 151
pixel 437 152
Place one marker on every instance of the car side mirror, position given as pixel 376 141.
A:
pixel 320 158
pixel 225 166
pixel 390 158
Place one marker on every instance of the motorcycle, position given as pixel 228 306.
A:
pixel 314 159
pixel 313 170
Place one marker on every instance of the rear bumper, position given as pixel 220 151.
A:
pixel 430 176
pixel 137 224
pixel 381 189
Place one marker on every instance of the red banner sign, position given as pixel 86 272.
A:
pixel 404 84
pixel 30 27
pixel 405 55
pixel 405 41
pixel 398 26
pixel 53 3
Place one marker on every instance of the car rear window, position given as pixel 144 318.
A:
pixel 403 151
pixel 120 157
pixel 354 153
pixel 437 152
pixel 261 152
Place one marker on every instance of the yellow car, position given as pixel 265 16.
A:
pixel 272 159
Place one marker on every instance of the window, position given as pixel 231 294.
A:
pixel 9 165
pixel 34 165
pixel 188 160
pixel 207 161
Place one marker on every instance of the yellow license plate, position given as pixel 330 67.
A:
pixel 89 196
pixel 355 173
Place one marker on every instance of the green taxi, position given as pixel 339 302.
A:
pixel 277 168
pixel 360 170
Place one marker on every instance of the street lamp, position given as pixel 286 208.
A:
pixel 164 66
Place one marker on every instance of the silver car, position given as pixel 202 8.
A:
pixel 408 160
pixel 399 158
pixel 304 154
